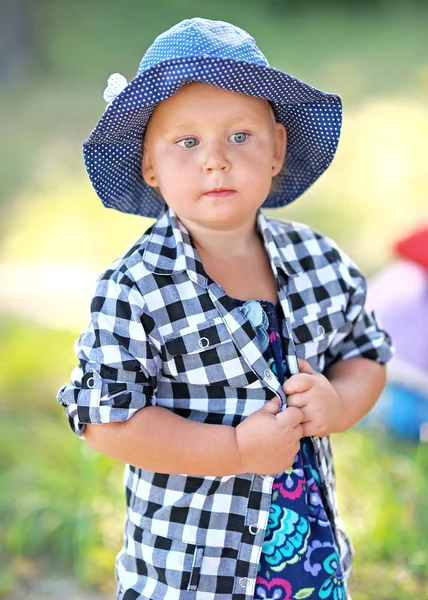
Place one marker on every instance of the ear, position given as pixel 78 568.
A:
pixel 280 148
pixel 147 170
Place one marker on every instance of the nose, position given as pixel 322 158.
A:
pixel 215 159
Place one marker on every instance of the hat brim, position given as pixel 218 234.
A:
pixel 113 153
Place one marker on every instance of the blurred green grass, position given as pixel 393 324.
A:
pixel 61 504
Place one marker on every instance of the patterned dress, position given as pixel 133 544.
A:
pixel 299 556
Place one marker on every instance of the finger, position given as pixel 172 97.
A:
pixel 306 416
pixel 298 430
pixel 305 367
pixel 291 415
pixel 298 383
pixel 307 429
pixel 303 400
pixel 272 406
pixel 298 400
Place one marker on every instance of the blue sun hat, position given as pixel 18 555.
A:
pixel 219 54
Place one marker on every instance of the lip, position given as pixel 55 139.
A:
pixel 219 192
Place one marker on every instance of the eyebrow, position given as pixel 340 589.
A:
pixel 188 125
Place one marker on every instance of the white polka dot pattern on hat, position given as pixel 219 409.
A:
pixel 220 54
pixel 199 37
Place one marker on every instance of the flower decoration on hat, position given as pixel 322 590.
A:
pixel 116 83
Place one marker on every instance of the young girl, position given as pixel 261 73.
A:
pixel 224 346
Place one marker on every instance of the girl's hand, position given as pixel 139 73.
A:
pixel 269 440
pixel 315 396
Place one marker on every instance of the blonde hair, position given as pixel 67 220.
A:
pixel 275 179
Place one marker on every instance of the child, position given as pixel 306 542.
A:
pixel 244 339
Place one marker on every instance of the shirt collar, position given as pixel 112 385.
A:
pixel 278 244
pixel 170 248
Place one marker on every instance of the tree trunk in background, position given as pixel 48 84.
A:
pixel 17 38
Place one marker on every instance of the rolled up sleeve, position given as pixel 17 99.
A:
pixel 119 361
pixel 361 335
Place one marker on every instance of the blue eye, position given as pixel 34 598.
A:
pixel 240 137
pixel 187 144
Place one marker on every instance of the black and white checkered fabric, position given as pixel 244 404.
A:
pixel 163 333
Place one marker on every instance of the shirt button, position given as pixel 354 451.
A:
pixel 254 529
pixel 244 581
pixel 321 330
pixel 91 382
pixel 268 374
pixel 203 342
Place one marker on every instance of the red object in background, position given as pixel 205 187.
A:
pixel 415 247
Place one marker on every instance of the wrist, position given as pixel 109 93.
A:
pixel 239 453
pixel 340 423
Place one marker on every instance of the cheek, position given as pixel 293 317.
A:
pixel 259 157
pixel 257 169
pixel 179 161
pixel 171 171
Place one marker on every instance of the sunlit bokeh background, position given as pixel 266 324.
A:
pixel 61 504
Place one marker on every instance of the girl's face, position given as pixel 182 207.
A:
pixel 212 153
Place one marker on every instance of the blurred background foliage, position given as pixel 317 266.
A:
pixel 61 504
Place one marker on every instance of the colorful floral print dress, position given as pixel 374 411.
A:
pixel 299 556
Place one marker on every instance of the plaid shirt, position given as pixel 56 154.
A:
pixel 163 333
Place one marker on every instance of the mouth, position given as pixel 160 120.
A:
pixel 219 193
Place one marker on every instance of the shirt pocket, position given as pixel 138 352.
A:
pixel 196 339
pixel 171 563
pixel 165 565
pixel 313 334
pixel 205 354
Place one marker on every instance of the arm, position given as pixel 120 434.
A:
pixel 358 383
pixel 111 399
pixel 354 373
pixel 333 402
pixel 159 440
